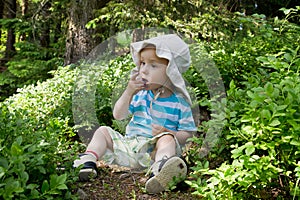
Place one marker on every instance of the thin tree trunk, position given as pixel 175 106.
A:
pixel 1 16
pixel 24 7
pixel 45 28
pixel 57 31
pixel 80 40
pixel 138 35
pixel 11 37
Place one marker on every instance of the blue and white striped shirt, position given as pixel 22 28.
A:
pixel 173 113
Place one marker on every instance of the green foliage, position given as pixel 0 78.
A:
pixel 262 133
pixel 237 58
pixel 113 81
pixel 198 19
pixel 31 64
pixel 98 85
pixel 256 157
pixel 35 125
pixel 39 44
pixel 259 62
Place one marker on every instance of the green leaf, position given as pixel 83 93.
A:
pixel 58 181
pixel 2 173
pixel 295 125
pixel 250 148
pixel 16 149
pixel 237 152
pixel 288 57
pixel 285 10
pixel 206 165
pixel 62 187
pixel 295 142
pixel 31 186
pixel 45 186
pixel 281 107
pixel 255 157
pixel 13 186
pixel 3 163
pixel 269 89
pixel 24 176
pixel 265 114
pixel 251 94
pixel 275 122
pixel 214 180
pixel 19 140
pixel 286 138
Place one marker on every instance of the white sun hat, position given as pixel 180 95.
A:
pixel 172 48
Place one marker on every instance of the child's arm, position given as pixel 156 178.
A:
pixel 121 107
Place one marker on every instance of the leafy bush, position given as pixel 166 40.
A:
pixel 113 81
pixel 236 58
pixel 99 83
pixel 35 125
pixel 262 133
pixel 31 64
pixel 37 129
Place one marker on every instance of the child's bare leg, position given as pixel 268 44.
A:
pixel 165 167
pixel 100 142
pixel 165 147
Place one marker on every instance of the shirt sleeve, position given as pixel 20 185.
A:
pixel 186 120
pixel 132 103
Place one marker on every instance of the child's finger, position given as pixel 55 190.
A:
pixel 133 77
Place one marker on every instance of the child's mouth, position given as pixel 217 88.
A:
pixel 145 82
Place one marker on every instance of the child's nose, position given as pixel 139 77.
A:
pixel 144 69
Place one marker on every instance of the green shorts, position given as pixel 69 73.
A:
pixel 133 152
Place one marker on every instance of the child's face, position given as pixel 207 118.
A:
pixel 153 69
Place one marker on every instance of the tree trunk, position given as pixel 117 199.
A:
pixel 45 28
pixel 24 7
pixel 1 16
pixel 11 37
pixel 80 40
pixel 57 32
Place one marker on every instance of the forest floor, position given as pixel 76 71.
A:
pixel 118 183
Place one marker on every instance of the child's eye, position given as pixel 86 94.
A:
pixel 142 63
pixel 153 66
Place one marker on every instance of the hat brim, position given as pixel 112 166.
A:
pixel 163 50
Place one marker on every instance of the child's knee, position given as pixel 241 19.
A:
pixel 103 130
pixel 166 139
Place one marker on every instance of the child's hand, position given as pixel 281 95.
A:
pixel 135 84
pixel 157 129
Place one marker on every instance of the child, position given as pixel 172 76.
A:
pixel 157 99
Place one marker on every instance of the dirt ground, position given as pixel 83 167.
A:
pixel 118 183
